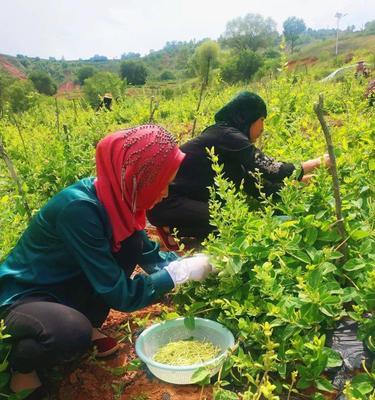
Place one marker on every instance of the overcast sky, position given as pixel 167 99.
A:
pixel 81 28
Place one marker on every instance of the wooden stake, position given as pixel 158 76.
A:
pixel 57 111
pixel 318 108
pixel 13 174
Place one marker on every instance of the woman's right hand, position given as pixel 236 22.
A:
pixel 310 165
pixel 195 268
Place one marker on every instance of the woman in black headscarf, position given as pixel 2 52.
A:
pixel 238 125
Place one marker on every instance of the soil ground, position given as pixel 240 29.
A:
pixel 95 379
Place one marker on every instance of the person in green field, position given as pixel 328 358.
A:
pixel 74 261
pixel 237 127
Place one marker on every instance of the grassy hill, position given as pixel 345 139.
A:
pixel 176 57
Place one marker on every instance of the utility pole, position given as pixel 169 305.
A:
pixel 338 16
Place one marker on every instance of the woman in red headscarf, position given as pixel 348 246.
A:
pixel 73 263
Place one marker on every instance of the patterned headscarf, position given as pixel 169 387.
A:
pixel 133 167
pixel 242 111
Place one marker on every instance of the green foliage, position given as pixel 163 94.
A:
pixel 84 73
pixel 5 82
pixel 205 58
pixel 96 86
pixel 250 32
pixel 241 67
pixel 370 27
pixel 293 27
pixel 20 95
pixel 167 76
pixel 43 83
pixel 281 287
pixel 134 72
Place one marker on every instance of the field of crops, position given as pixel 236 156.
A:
pixel 283 284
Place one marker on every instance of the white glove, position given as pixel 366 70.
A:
pixel 194 268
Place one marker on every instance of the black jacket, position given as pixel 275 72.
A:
pixel 239 156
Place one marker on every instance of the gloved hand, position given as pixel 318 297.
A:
pixel 195 268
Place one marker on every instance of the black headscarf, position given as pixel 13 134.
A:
pixel 242 111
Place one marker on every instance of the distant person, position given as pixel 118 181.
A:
pixel 74 261
pixel 362 70
pixel 106 102
pixel 237 127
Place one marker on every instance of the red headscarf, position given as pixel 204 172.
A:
pixel 133 167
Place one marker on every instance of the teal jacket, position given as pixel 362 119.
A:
pixel 69 239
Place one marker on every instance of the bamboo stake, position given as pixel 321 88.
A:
pixel 13 118
pixel 318 108
pixel 13 174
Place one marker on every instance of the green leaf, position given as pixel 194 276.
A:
pixel 324 384
pixel 201 376
pixel 329 236
pixel 350 293
pixel 304 383
pixel 301 256
pixel 359 234
pixel 4 366
pixel 222 394
pixel 327 267
pixel 333 358
pixel 189 322
pixel 4 379
pixel 353 265
pixel 311 234
pixel 310 313
pixel 318 396
pixel 365 387
pixel 335 255
pixel 315 279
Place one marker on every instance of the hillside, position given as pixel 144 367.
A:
pixel 10 68
pixel 176 59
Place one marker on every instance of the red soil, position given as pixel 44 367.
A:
pixel 11 69
pixel 67 87
pixel 306 61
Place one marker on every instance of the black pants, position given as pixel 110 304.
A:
pixel 45 332
pixel 189 217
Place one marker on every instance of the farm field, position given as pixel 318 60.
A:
pixel 283 285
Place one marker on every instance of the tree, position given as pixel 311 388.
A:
pixel 5 81
pixel 241 67
pixel 370 27
pixel 293 27
pixel 205 56
pixel 20 95
pixel 101 83
pixel 250 32
pixel 130 56
pixel 98 58
pixel 43 83
pixel 134 72
pixel 167 76
pixel 84 73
